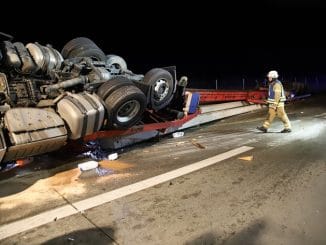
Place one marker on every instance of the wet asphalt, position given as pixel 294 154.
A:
pixel 275 197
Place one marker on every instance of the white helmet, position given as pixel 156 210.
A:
pixel 272 74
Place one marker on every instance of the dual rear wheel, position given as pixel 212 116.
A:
pixel 124 101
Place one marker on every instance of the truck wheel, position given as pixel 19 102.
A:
pixel 82 47
pixel 125 106
pixel 116 63
pixel 161 87
pixel 108 87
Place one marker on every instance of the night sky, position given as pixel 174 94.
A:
pixel 237 39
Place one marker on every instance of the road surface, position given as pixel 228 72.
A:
pixel 276 194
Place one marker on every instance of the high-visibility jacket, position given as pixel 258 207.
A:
pixel 276 95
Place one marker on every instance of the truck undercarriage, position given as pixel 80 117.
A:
pixel 48 98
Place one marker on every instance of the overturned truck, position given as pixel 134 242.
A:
pixel 48 98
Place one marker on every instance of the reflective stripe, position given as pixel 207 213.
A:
pixel 271 92
pixel 266 124
pixel 280 104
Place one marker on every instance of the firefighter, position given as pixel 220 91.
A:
pixel 276 99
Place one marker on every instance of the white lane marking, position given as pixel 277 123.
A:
pixel 36 221
pixel 144 184
pixel 67 210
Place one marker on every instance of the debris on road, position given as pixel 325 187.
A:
pixel 4 167
pixel 87 165
pixel 24 161
pixel 178 134
pixel 103 171
pixel 92 169
pixel 200 146
pixel 247 158
pixel 113 156
pixel 95 151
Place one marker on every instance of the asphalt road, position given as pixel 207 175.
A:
pixel 277 197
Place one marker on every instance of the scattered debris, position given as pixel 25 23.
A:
pixel 113 156
pixel 23 162
pixel 88 168
pixel 301 112
pixel 8 166
pixel 71 239
pixel 95 151
pixel 103 171
pixel 178 134
pixel 87 165
pixel 247 158
pixel 200 146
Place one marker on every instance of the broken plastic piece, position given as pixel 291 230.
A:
pixel 88 165
pixel 178 134
pixel 113 156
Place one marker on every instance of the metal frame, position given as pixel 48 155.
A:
pixel 211 96
pixel 159 126
pixel 206 96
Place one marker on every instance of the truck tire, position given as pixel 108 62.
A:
pixel 125 106
pixel 108 87
pixel 116 63
pixel 82 47
pixel 161 87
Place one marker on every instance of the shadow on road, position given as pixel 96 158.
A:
pixel 247 236
pixel 89 236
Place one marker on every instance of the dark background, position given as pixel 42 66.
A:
pixel 212 43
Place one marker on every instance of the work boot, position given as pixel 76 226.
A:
pixel 262 128
pixel 286 130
